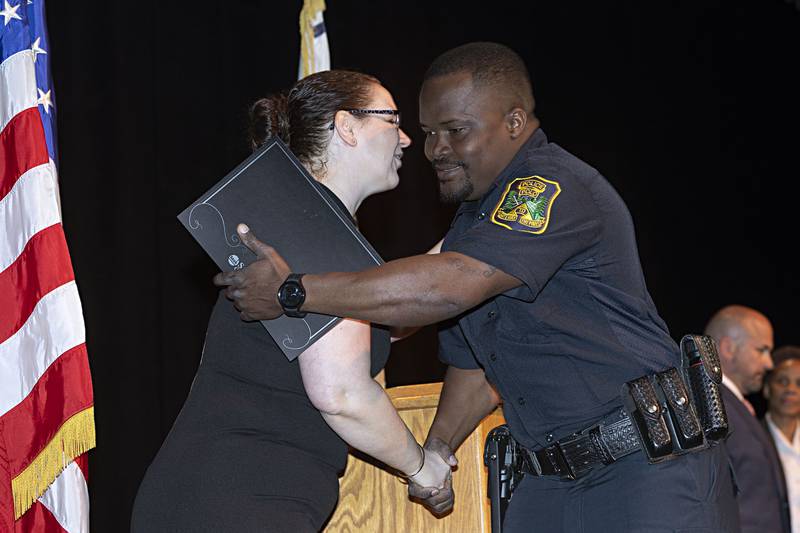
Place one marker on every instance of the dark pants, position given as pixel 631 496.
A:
pixel 693 493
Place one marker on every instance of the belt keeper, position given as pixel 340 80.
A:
pixel 553 454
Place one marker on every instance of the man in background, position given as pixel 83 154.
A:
pixel 744 339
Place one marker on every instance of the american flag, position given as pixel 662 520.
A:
pixel 46 403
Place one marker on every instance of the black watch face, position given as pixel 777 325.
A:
pixel 292 295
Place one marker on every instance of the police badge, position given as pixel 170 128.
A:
pixel 526 203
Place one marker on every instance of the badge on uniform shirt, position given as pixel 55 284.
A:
pixel 526 203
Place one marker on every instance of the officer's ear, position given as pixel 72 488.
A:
pixel 516 120
pixel 765 391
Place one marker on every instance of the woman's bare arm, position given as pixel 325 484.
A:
pixel 336 375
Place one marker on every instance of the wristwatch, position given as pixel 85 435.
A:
pixel 291 296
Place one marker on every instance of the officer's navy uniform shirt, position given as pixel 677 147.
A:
pixel 558 348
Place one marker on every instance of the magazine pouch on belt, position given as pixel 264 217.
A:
pixel 682 420
pixel 648 416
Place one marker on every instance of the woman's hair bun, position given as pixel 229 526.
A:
pixel 269 117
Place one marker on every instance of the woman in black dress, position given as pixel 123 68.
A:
pixel 260 441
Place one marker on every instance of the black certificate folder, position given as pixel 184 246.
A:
pixel 286 208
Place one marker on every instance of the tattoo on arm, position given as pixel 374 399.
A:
pixel 461 266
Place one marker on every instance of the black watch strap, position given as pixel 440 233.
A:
pixel 292 295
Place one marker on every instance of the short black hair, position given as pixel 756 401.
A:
pixel 490 64
pixel 785 353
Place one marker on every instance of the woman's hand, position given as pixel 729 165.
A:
pixel 435 472
pixel 433 486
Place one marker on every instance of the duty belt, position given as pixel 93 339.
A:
pixel 666 414
pixel 574 456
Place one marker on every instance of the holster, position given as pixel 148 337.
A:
pixel 703 373
pixel 502 456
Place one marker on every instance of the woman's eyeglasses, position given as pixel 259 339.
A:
pixel 395 114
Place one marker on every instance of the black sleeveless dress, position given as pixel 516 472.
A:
pixel 248 451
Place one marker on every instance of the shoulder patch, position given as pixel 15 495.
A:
pixel 525 205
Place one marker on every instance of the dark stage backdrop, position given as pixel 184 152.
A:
pixel 689 108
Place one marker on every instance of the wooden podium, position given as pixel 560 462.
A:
pixel 372 500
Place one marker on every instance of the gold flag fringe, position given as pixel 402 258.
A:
pixel 307 13
pixel 75 437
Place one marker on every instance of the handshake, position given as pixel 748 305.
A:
pixel 432 486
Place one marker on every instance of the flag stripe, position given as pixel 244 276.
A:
pixel 18 71
pixel 30 207
pixel 22 147
pixel 55 326
pixel 67 493
pixel 38 519
pixel 46 405
pixel 62 391
pixel 43 266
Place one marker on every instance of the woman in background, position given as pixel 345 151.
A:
pixel 782 391
pixel 260 441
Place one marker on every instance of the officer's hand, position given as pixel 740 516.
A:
pixel 254 289
pixel 438 499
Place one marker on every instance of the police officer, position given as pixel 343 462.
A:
pixel 545 309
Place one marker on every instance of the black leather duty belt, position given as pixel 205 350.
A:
pixel 665 414
pixel 574 456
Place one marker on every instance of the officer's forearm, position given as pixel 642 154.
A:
pixel 412 291
pixel 466 399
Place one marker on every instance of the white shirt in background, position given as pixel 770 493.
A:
pixel 789 453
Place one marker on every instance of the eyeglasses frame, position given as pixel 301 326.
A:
pixel 394 112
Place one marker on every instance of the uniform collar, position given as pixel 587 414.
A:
pixel 467 205
pixel 536 141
